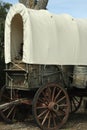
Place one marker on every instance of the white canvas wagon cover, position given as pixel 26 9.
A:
pixel 47 38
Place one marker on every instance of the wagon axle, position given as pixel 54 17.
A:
pixel 53 106
pixel 15 102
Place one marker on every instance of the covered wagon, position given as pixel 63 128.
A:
pixel 37 43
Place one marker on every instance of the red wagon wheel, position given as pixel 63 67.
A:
pixel 51 107
pixel 9 113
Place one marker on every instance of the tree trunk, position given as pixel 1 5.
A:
pixel 35 4
pixel 28 3
pixel 41 4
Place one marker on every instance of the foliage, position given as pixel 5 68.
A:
pixel 4 7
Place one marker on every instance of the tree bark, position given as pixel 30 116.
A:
pixel 35 4
pixel 41 4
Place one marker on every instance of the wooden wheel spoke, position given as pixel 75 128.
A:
pixel 61 113
pixel 49 120
pixel 40 100
pixel 41 107
pixel 57 95
pixel 58 115
pixel 43 93
pixel 54 121
pixel 14 114
pixel 46 96
pixel 63 105
pixel 44 120
pixel 53 94
pixel 5 109
pixel 12 108
pixel 61 99
pixel 49 93
pixel 43 101
pixel 41 114
pixel 76 100
pixel 74 103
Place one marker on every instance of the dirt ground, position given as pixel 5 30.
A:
pixel 76 121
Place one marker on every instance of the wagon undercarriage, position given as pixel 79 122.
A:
pixel 36 86
pixel 51 102
pixel 50 106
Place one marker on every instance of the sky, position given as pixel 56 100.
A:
pixel 76 8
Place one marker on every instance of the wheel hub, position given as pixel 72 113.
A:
pixel 53 106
